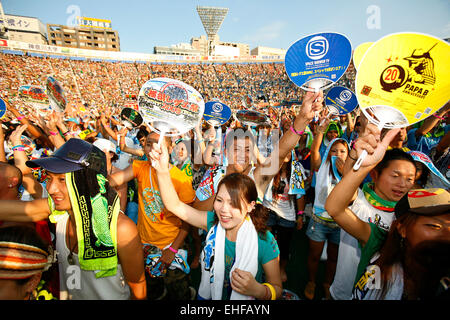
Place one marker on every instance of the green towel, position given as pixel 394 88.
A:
pixel 96 207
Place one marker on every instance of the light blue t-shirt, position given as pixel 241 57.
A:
pixel 267 251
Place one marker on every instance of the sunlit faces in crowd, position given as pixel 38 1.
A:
pixel 57 189
pixel 393 181
pixel 332 134
pixel 339 149
pixel 235 199
pixel 240 152
pixel 152 138
pixel 423 228
pixel 180 151
pixel 229 216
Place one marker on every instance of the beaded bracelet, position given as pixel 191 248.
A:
pixel 297 132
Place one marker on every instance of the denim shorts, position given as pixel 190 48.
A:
pixel 320 233
pixel 276 220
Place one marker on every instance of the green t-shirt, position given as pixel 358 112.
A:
pixel 267 251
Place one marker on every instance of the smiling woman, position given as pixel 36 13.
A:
pixel 238 248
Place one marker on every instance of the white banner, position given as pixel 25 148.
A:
pixel 127 56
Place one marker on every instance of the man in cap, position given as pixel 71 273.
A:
pixel 98 245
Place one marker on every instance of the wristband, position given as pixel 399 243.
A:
pixel 53 133
pixel 297 132
pixel 300 213
pixel 66 133
pixel 436 116
pixel 173 250
pixel 20 118
pixel 272 290
pixel 18 149
pixel 18 146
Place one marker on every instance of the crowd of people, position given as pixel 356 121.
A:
pixel 92 208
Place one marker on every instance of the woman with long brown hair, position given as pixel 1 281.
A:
pixel 410 261
pixel 239 249
pixel 285 209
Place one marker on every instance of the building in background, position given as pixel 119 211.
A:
pixel 21 28
pixel 219 48
pixel 266 51
pixel 91 33
pixel 181 49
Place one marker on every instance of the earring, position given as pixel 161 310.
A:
pixel 402 243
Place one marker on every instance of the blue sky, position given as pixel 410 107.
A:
pixel 271 23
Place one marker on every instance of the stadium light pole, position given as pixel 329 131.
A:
pixel 212 18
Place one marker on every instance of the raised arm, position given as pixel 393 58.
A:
pixel 345 191
pixel 319 131
pixel 430 122
pixel 2 145
pixel 312 103
pixel 120 177
pixel 123 145
pixel 104 122
pixel 160 162
pixel 24 211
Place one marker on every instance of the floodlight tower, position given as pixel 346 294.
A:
pixel 212 18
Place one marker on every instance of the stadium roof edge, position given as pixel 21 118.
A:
pixel 130 57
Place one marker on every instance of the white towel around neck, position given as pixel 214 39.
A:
pixel 212 277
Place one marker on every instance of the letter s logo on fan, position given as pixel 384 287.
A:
pixel 317 47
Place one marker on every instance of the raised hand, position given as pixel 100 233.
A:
pixel 159 157
pixel 372 143
pixel 312 103
pixel 16 135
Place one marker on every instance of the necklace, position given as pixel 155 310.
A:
pixel 70 258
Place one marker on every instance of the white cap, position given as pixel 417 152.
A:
pixel 104 144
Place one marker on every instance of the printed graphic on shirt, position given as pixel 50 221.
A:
pixel 370 280
pixel 153 203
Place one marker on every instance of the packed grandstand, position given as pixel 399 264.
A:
pixel 95 82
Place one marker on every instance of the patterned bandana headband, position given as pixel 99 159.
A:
pixel 21 261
